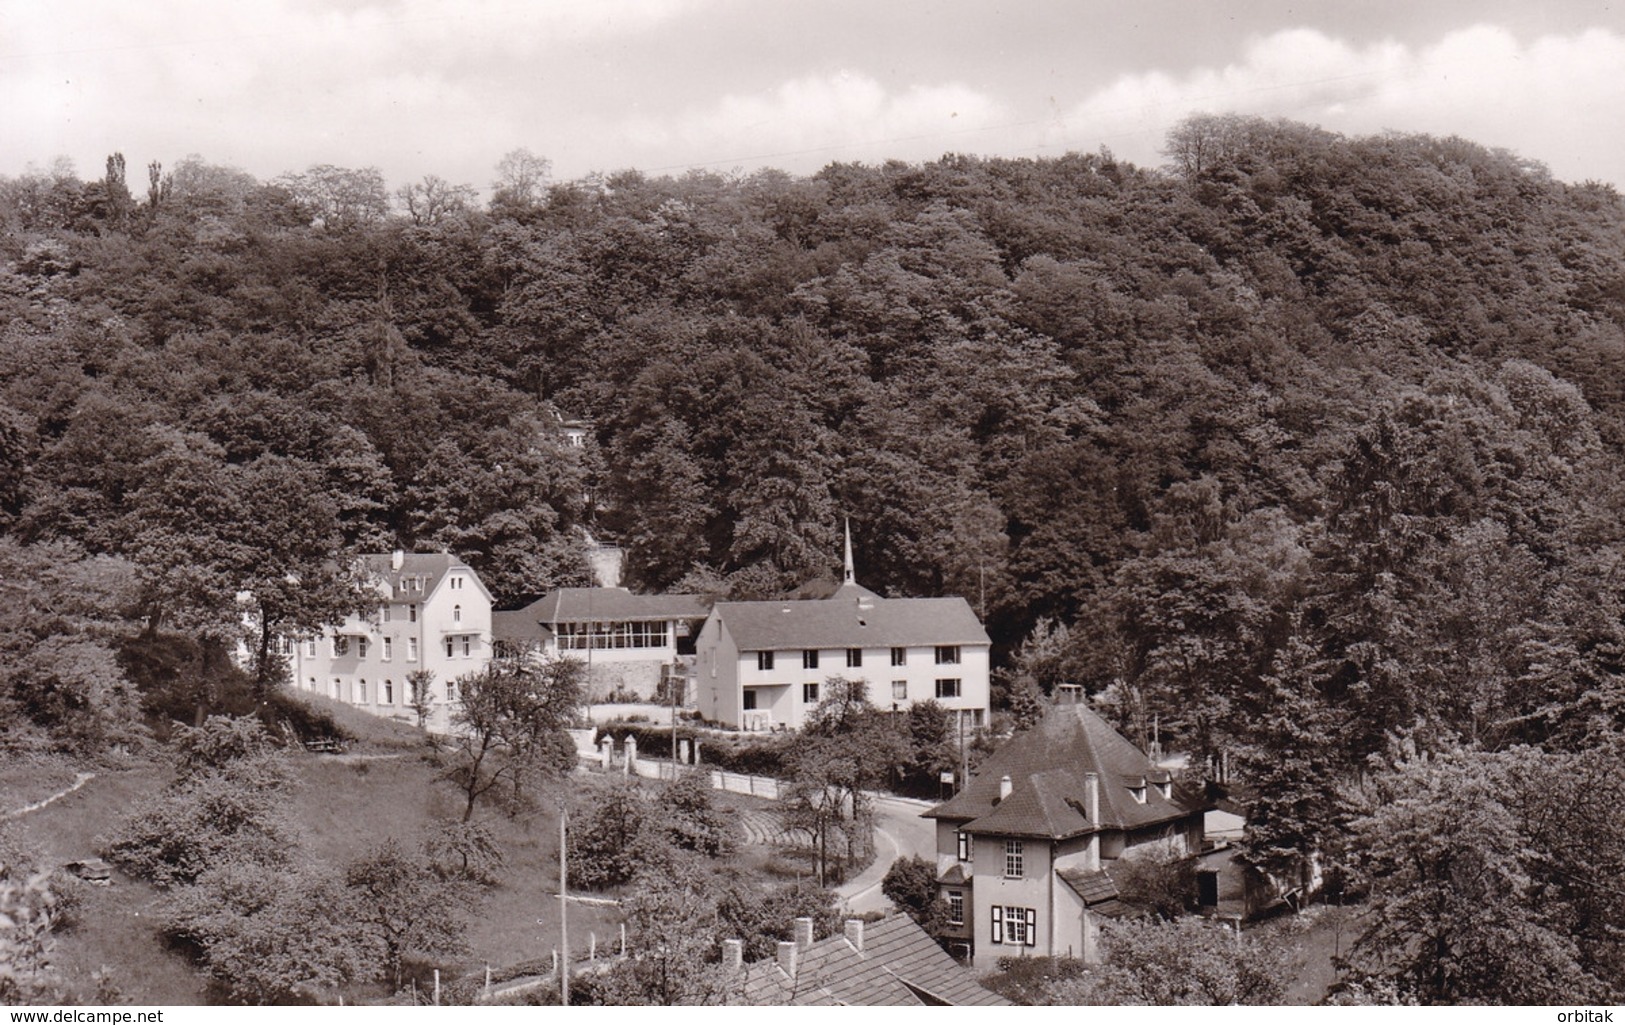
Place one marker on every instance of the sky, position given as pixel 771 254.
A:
pixel 446 87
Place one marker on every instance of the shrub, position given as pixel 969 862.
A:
pixel 464 850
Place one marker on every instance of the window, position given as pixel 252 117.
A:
pixel 1014 925
pixel 854 658
pixel 412 613
pixel 965 843
pixel 456 583
pixel 361 691
pixel 1166 789
pixel 1136 790
pixel 947 688
pixel 456 613
pixel 468 642
pixel 956 907
pixel 750 699
pixel 310 648
pixel 450 643
pixel 809 693
pixel 389 649
pixel 312 684
pixel 361 647
pixel 764 661
pixel 451 690
pixel 411 649
pixel 341 646
pixel 947 654
pixel 622 634
pixel 899 656
pixel 1013 857
pixel 899 690
pixel 338 689
pixel 809 658
pixel 386 613
pixel 389 692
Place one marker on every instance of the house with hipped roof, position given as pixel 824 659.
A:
pixel 432 614
pixel 890 962
pixel 1025 851
pixel 629 643
pixel 762 665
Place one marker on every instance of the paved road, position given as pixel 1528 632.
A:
pixel 899 833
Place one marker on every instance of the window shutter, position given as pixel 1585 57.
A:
pixel 998 924
pixel 1032 927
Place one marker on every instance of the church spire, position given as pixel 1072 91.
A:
pixel 851 574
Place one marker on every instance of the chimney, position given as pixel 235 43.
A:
pixel 787 958
pixel 804 933
pixel 1004 787
pixel 733 953
pixel 854 933
pixel 1091 789
pixel 397 559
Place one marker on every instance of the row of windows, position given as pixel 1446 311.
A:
pixel 946 654
pixel 341 648
pixel 899 690
pixel 412 613
pixel 463 642
pixel 581 636
pixel 386 693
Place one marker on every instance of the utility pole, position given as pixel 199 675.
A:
pixel 671 687
pixel 564 914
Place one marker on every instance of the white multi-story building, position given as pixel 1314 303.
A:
pixel 433 614
pixel 763 664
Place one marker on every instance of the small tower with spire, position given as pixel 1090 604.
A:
pixel 851 574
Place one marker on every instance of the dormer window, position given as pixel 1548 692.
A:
pixel 1136 790
pixel 1166 789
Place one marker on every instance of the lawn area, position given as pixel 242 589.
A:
pixel 115 923
pixel 25 779
pixel 1309 943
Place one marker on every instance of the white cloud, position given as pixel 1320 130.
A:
pixel 1554 99
pixel 842 116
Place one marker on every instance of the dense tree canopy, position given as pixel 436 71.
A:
pixel 1297 421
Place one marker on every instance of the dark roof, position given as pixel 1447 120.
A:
pixel 516 627
pixel 899 965
pixel 610 604
pixel 1048 795
pixel 1091 887
pixel 955 876
pixel 857 621
pixel 430 566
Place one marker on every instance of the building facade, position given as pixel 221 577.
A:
pixel 433 615
pixel 629 642
pixel 764 665
pixel 1025 852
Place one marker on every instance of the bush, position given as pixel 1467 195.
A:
pixel 223 806
pixel 465 850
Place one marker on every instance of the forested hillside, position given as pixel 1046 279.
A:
pixel 1296 421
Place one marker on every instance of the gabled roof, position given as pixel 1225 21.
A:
pixel 899 965
pixel 610 604
pixel 430 567
pixel 857 621
pixel 1049 795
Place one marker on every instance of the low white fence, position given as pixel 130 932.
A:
pixel 735 782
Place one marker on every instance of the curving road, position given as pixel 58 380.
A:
pixel 899 833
